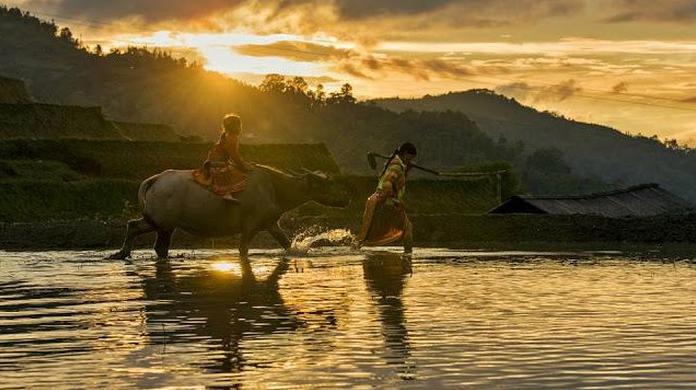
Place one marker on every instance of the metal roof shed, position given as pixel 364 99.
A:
pixel 639 201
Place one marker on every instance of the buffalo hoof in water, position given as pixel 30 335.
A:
pixel 118 256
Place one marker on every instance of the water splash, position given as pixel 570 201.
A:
pixel 303 241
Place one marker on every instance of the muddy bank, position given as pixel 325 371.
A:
pixel 87 234
pixel 461 231
pixel 91 234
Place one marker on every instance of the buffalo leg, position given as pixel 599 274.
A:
pixel 164 239
pixel 244 243
pixel 280 236
pixel 135 228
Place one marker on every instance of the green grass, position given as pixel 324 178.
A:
pixel 37 200
pixel 32 199
pixel 423 196
pixel 38 170
pixel 64 180
pixel 138 160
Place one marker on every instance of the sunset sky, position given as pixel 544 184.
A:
pixel 629 64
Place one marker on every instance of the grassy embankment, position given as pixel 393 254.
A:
pixel 44 180
pixel 77 194
pixel 72 179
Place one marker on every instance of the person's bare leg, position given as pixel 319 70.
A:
pixel 231 199
pixel 408 237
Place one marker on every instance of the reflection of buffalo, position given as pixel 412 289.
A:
pixel 385 276
pixel 216 306
pixel 173 200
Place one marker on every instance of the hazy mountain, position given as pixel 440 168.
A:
pixel 588 148
pixel 138 85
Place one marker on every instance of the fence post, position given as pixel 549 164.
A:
pixel 499 176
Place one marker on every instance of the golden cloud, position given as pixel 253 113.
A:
pixel 553 93
pixel 357 64
pixel 296 51
pixel 621 87
pixel 364 20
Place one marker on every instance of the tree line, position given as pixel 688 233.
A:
pixel 151 85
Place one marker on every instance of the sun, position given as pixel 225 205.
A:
pixel 225 60
pixel 218 52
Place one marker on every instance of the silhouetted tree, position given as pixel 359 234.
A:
pixel 345 96
pixel 273 83
pixel 549 161
pixel 66 35
pixel 320 95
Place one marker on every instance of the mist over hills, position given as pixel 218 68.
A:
pixel 589 149
pixel 138 85
pixel 458 131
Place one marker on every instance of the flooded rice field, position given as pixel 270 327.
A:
pixel 355 320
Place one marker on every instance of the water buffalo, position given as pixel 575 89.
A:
pixel 172 200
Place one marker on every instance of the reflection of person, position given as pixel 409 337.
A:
pixel 225 165
pixel 384 219
pixel 385 276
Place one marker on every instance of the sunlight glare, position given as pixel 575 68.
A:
pixel 219 51
pixel 167 38
pixel 226 266
pixel 224 60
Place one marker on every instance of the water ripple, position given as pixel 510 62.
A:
pixel 336 319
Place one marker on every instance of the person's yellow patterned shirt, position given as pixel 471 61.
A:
pixel 393 181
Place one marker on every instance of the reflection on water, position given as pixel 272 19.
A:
pixel 386 276
pixel 216 307
pixel 335 319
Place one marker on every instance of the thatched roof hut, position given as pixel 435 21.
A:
pixel 639 201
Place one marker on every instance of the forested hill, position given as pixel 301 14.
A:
pixel 140 85
pixel 588 148
pixel 13 91
pixel 137 85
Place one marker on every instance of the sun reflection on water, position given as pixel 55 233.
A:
pixel 233 267
pixel 442 319
pixel 227 266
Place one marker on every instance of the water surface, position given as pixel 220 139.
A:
pixel 340 319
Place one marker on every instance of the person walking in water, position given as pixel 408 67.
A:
pixel 225 169
pixel 384 219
